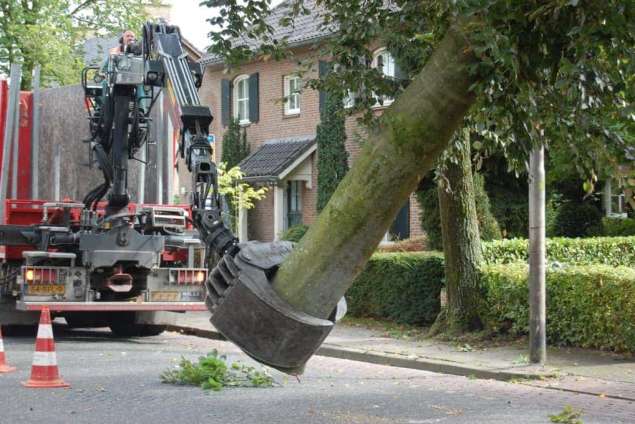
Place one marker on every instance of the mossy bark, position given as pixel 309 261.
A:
pixel 409 139
pixel 461 243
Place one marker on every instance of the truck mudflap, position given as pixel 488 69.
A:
pixel 111 306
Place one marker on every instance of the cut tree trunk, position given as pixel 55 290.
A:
pixel 411 135
pixel 461 243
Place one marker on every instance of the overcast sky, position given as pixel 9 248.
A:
pixel 191 19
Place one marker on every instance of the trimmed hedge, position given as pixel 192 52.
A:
pixel 403 287
pixel 618 227
pixel 615 251
pixel 576 219
pixel 587 306
pixel 295 233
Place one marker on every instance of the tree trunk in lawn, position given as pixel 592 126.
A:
pixel 461 244
pixel 412 134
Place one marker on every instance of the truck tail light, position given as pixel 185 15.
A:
pixel 42 275
pixel 191 276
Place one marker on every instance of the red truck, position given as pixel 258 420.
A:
pixel 157 268
pixel 112 262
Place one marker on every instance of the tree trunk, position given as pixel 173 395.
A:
pixel 410 137
pixel 461 243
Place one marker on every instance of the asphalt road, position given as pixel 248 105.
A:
pixel 117 381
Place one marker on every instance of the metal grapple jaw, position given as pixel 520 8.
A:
pixel 247 310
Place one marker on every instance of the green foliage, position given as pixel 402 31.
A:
pixel 431 222
pixel 212 372
pixel 403 287
pixel 576 219
pixel 295 233
pixel 231 185
pixel 589 306
pixel 614 251
pixel 430 219
pixel 615 227
pixel 51 33
pixel 508 197
pixel 548 70
pixel 488 226
pixel 239 193
pixel 332 155
pixel 569 415
pixel 556 71
pixel 235 145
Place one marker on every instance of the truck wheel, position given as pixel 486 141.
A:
pixel 124 324
pixel 19 330
pixel 85 320
pixel 136 330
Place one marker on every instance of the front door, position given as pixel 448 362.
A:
pixel 294 203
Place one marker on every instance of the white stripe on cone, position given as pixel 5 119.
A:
pixel 44 359
pixel 1 345
pixel 45 331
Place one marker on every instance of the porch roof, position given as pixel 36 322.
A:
pixel 276 159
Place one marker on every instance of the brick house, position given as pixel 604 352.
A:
pixel 280 119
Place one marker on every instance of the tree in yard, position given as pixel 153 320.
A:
pixel 51 32
pixel 235 149
pixel 235 146
pixel 238 193
pixel 332 155
pixel 461 242
pixel 492 68
pixel 428 199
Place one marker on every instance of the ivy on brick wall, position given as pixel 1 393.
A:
pixel 235 146
pixel 331 146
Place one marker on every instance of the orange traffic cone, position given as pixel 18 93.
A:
pixel 4 368
pixel 44 372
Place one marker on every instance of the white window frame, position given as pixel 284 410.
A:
pixel 292 104
pixel 349 100
pixel 387 69
pixel 241 99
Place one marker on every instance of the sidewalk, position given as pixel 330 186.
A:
pixel 577 370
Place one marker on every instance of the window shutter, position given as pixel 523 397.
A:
pixel 225 101
pixel 254 113
pixel 323 70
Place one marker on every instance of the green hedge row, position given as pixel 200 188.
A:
pixel 615 251
pixel 587 306
pixel 402 287
pixel 618 227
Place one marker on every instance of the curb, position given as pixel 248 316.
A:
pixel 427 364
pixel 193 331
pixel 399 361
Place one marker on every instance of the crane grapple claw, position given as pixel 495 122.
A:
pixel 247 310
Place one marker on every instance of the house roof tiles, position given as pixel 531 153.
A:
pixel 305 29
pixel 273 157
